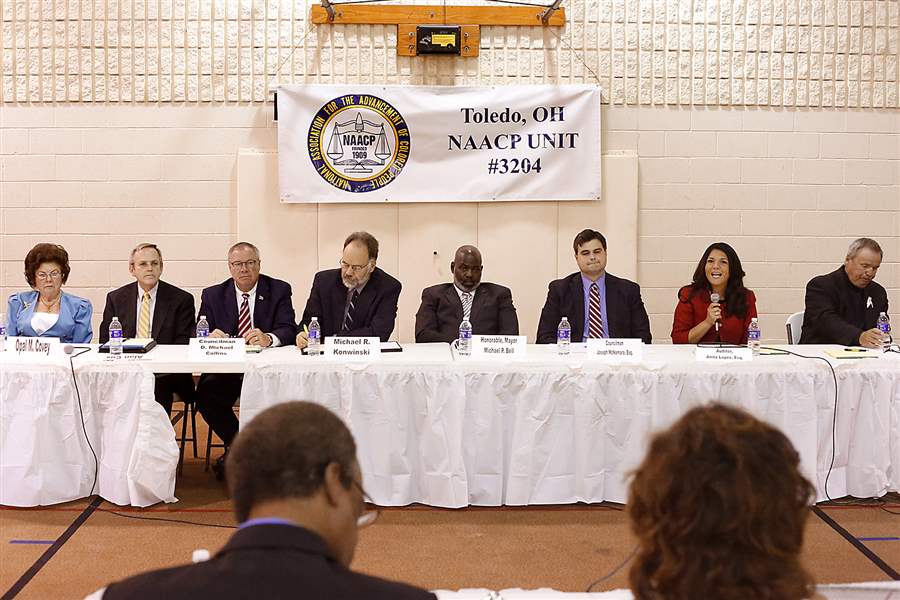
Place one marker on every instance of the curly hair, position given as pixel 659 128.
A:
pixel 735 292
pixel 719 508
pixel 46 253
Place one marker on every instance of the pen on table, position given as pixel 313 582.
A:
pixel 855 350
pixel 306 330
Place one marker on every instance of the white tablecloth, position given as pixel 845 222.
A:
pixel 44 456
pixel 553 430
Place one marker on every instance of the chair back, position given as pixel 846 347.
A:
pixel 794 326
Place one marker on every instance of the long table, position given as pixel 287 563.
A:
pixel 545 429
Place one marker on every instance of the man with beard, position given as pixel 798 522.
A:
pixel 487 306
pixel 357 299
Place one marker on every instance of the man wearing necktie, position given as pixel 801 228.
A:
pixel 151 308
pixel 250 305
pixel 488 306
pixel 598 304
pixel 357 299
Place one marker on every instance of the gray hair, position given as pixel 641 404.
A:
pixel 242 245
pixel 863 243
pixel 144 246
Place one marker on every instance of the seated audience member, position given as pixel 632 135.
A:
pixel 842 307
pixel 255 307
pixel 46 311
pixel 297 492
pixel 487 306
pixel 151 308
pixel 358 299
pixel 597 303
pixel 696 316
pixel 719 506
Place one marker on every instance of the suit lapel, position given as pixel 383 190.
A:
pixel 612 304
pixel 262 303
pixel 576 290
pixel 128 314
pixel 159 310
pixel 455 303
pixel 229 301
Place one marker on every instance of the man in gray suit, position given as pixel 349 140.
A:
pixel 488 306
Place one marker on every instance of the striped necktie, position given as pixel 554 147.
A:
pixel 244 316
pixel 351 310
pixel 144 318
pixel 595 317
pixel 467 305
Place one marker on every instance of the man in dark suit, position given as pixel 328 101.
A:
pixel 249 305
pixel 843 306
pixel 487 306
pixel 150 308
pixel 597 303
pixel 298 496
pixel 358 299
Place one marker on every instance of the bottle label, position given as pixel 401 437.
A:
pixel 563 334
pixel 465 335
pixel 753 335
pixel 313 335
pixel 115 333
pixel 884 327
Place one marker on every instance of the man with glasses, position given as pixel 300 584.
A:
pixel 151 308
pixel 295 485
pixel 249 305
pixel 488 306
pixel 357 299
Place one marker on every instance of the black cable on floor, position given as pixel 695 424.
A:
pixel 165 519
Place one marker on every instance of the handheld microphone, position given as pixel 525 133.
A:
pixel 715 298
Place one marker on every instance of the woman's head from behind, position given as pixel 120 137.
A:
pixel 719 508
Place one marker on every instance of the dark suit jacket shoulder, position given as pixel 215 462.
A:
pixel 376 308
pixel 173 313
pixel 624 306
pixel 838 313
pixel 265 561
pixel 441 312
pixel 273 311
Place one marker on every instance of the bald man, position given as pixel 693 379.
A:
pixel 488 306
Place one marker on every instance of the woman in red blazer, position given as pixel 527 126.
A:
pixel 719 272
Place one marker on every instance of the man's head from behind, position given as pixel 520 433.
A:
pixel 719 508
pixel 862 261
pixel 297 460
pixel 466 267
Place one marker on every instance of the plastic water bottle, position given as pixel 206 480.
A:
pixel 115 338
pixel 2 332
pixel 884 326
pixel 753 335
pixel 563 336
pixel 464 345
pixel 314 343
pixel 202 327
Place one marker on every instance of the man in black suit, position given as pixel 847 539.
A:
pixel 843 306
pixel 249 305
pixel 597 303
pixel 297 493
pixel 487 306
pixel 358 299
pixel 150 308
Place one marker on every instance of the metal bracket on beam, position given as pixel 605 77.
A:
pixel 545 16
pixel 329 8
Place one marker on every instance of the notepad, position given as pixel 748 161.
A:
pixel 851 353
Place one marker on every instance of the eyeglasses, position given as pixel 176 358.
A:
pixel 240 264
pixel 366 516
pixel 355 268
pixel 47 276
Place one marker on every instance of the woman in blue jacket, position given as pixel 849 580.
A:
pixel 46 311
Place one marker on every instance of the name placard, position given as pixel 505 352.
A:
pixel 34 349
pixel 615 350
pixel 498 346
pixel 352 348
pixel 217 349
pixel 716 354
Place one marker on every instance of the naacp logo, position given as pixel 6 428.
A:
pixel 358 143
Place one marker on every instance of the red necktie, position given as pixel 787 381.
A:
pixel 595 317
pixel 244 316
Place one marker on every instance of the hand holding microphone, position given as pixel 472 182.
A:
pixel 715 311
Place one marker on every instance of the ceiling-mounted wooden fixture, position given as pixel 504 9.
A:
pixel 408 18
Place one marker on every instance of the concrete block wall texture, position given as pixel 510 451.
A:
pixel 773 126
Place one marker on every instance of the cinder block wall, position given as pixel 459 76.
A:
pixel 774 126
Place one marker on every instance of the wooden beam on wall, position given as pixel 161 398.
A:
pixel 436 14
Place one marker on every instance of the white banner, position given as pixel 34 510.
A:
pixel 371 143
